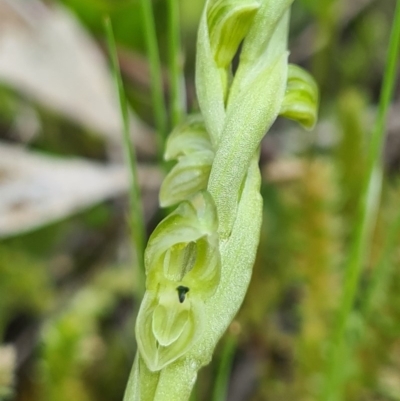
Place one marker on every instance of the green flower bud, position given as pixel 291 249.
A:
pixel 188 176
pixel 301 98
pixel 190 144
pixel 228 23
pixel 189 137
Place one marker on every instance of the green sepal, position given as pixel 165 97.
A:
pixel 264 40
pixel 210 86
pixel 188 176
pixel 248 118
pixel 166 328
pixel 228 23
pixel 189 137
pixel 301 98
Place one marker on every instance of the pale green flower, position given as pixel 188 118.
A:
pixel 183 269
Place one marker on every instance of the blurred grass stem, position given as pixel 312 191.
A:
pixel 160 110
pixel 176 77
pixel 380 276
pixel 224 369
pixel 136 210
pixel 365 223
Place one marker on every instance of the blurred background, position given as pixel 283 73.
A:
pixel 69 289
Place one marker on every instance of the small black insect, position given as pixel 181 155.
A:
pixel 182 291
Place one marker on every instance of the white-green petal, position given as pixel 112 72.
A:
pixel 170 317
pixel 179 260
pixel 204 276
pixel 182 338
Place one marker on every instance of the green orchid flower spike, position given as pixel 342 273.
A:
pixel 199 259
